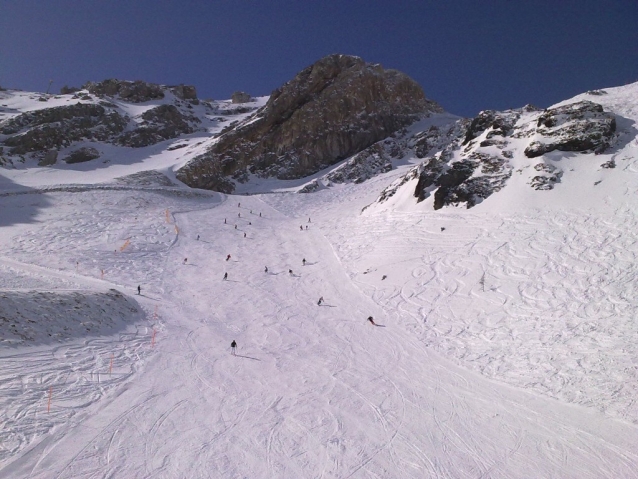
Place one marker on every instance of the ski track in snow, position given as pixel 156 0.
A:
pixel 557 314
pixel 315 391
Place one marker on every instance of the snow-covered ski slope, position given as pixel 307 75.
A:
pixel 506 343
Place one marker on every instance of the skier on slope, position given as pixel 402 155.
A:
pixel 303 261
pixel 371 319
pixel 233 346
pixel 139 289
pixel 227 257
pixel 320 301
pixel 265 269
pixel 225 276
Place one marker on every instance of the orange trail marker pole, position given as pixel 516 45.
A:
pixel 49 403
pixel 111 365
pixel 125 245
pixel 153 339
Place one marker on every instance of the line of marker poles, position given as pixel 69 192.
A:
pixel 110 364
pixel 77 266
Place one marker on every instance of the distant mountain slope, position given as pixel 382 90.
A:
pixel 341 120
pixel 105 120
pixel 330 111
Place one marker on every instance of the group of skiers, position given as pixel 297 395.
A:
pixel 233 344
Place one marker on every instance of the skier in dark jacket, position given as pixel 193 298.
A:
pixel 320 301
pixel 233 346
pixel 225 276
pixel 139 289
pixel 371 319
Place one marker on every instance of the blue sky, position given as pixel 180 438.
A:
pixel 467 55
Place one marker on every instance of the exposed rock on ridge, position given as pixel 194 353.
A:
pixel 578 126
pixel 329 111
pixel 39 132
pixel 54 128
pixel 138 91
pixel 477 160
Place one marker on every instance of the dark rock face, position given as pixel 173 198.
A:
pixel 81 155
pixel 364 165
pixel 55 128
pixel 329 111
pixel 458 182
pixel 160 123
pixel 240 97
pixel 578 126
pixel 184 92
pixel 67 90
pixel 500 126
pixel 463 171
pixel 476 163
pixel 135 92
pixel 379 157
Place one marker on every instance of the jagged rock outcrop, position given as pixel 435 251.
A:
pixel 476 163
pixel 580 126
pixel 329 111
pixel 464 171
pixel 138 91
pixel 240 97
pixel 55 128
pixel 379 158
pixel 160 123
pixel 132 91
pixel 362 166
pixel 184 92
pixel 37 133
pixel 67 90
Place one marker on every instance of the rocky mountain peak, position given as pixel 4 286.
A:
pixel 329 111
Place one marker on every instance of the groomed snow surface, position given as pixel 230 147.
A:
pixel 149 387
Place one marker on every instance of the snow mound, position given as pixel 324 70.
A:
pixel 37 317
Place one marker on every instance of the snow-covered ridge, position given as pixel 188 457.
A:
pixel 579 147
pixel 90 130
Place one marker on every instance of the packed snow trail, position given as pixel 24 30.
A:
pixel 314 391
